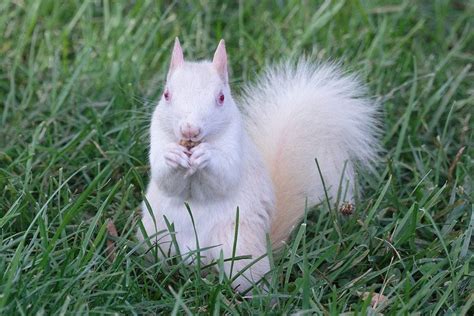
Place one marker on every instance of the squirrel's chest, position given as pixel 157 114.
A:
pixel 197 190
pixel 203 189
pixel 196 218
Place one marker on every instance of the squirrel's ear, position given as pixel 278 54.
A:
pixel 220 61
pixel 177 58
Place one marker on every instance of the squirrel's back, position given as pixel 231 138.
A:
pixel 298 113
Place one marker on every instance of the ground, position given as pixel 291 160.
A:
pixel 77 84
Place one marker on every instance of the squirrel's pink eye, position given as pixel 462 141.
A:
pixel 166 95
pixel 220 98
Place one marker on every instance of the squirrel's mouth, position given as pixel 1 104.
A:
pixel 196 139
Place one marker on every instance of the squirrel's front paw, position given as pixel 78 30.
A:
pixel 176 156
pixel 200 156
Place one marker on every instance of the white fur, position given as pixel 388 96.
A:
pixel 296 114
pixel 233 177
pixel 293 115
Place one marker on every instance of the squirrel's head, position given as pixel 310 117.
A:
pixel 196 103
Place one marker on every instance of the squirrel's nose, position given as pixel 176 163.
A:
pixel 189 131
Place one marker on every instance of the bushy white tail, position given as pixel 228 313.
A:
pixel 299 113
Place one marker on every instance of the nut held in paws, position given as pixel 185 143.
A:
pixel 189 144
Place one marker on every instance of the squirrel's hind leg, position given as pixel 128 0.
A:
pixel 251 245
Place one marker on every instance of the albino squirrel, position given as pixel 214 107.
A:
pixel 206 153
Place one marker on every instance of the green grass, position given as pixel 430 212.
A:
pixel 76 83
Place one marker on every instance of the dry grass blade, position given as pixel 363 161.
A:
pixel 453 165
pixel 112 232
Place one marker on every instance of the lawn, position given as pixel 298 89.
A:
pixel 78 80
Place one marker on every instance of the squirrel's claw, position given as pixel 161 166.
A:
pixel 176 156
pixel 200 156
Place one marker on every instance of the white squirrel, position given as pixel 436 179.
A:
pixel 261 161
